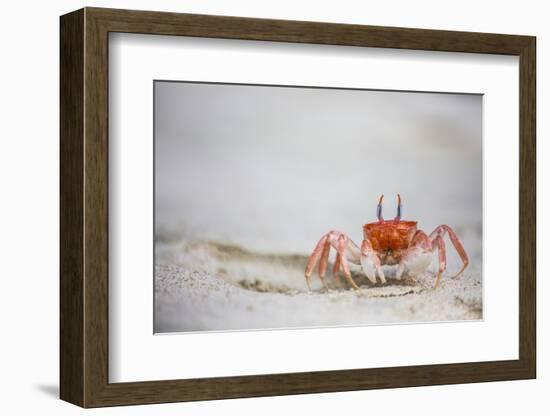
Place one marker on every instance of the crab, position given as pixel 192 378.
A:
pixel 385 242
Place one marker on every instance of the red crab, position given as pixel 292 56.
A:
pixel 392 242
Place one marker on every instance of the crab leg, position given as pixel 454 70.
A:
pixel 346 251
pixel 314 257
pixel 324 262
pixel 442 259
pixel 421 243
pixel 336 270
pixel 420 239
pixel 440 232
pixel 342 242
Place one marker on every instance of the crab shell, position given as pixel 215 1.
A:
pixel 392 235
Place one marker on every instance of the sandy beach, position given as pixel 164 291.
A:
pixel 204 286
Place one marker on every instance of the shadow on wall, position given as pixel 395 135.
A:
pixel 51 390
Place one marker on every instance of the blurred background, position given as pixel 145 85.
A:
pixel 270 169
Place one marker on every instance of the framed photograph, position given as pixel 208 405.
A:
pixel 254 207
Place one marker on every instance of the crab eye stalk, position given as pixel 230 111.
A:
pixel 379 209
pixel 399 208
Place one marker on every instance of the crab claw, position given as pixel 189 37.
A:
pixel 371 266
pixel 381 274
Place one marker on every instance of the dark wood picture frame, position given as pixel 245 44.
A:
pixel 84 207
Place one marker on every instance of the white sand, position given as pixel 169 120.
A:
pixel 206 286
